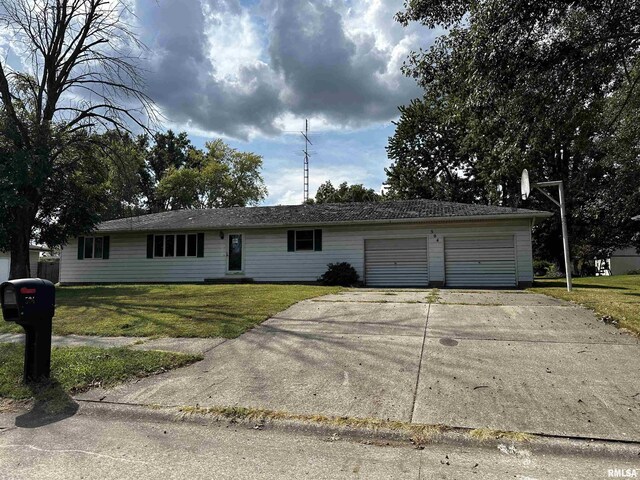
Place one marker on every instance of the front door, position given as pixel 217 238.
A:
pixel 235 253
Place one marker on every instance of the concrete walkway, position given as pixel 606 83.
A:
pixel 182 345
pixel 503 360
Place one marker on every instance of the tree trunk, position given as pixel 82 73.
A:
pixel 20 238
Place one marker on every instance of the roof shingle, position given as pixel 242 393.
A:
pixel 322 214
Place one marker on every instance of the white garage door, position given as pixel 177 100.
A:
pixel 396 262
pixel 4 269
pixel 480 262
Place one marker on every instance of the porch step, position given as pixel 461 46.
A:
pixel 228 280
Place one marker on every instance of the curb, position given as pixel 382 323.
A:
pixel 438 434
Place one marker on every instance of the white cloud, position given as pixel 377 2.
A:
pixel 242 71
pixel 233 41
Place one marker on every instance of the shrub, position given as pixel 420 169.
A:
pixel 587 269
pixel 341 274
pixel 541 267
pixel 634 272
pixel 553 272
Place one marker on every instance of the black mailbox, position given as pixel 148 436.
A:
pixel 30 302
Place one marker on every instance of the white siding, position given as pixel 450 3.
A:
pixel 33 262
pixel 624 260
pixel 128 262
pixel 266 257
pixel 5 264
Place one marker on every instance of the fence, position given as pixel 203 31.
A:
pixel 49 271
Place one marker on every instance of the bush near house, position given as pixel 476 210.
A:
pixel 340 274
pixel 541 267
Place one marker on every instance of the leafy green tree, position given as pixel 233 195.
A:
pixel 124 159
pixel 429 160
pixel 220 176
pixel 345 193
pixel 165 152
pixel 80 78
pixel 550 86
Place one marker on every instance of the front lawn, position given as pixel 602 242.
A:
pixel 76 369
pixel 615 296
pixel 171 310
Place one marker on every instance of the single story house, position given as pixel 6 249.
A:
pixel 621 261
pixel 5 262
pixel 624 260
pixel 396 243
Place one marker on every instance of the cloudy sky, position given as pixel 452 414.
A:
pixel 251 72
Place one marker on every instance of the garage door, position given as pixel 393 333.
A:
pixel 396 262
pixel 480 262
pixel 4 269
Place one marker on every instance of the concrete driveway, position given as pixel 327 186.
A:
pixel 488 359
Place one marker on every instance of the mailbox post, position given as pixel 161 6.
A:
pixel 30 302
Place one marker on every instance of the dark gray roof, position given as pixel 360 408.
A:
pixel 323 214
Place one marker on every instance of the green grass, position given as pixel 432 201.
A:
pixel 76 369
pixel 616 296
pixel 171 310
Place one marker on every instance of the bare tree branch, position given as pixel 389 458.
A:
pixel 84 78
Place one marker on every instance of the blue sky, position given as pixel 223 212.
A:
pixel 353 156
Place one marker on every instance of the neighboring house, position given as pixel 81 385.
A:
pixel 5 262
pixel 395 243
pixel 624 260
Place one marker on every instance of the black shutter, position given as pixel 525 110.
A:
pixel 317 244
pixel 200 245
pixel 149 246
pixel 105 247
pixel 80 248
pixel 291 240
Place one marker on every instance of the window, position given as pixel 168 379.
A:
pixel 88 247
pixel 192 241
pixel 181 245
pixel 93 247
pixel 169 245
pixel 304 240
pixel 97 247
pixel 158 250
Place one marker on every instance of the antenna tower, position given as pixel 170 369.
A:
pixel 307 142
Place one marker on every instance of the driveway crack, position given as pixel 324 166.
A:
pixel 424 341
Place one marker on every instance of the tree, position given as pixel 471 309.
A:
pixel 219 177
pixel 167 151
pixel 82 78
pixel 124 159
pixel 551 86
pixel 345 193
pixel 429 160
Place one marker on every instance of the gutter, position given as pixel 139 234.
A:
pixel 394 221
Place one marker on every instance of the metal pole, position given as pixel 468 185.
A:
pixel 565 236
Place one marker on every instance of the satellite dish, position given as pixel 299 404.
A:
pixel 525 187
